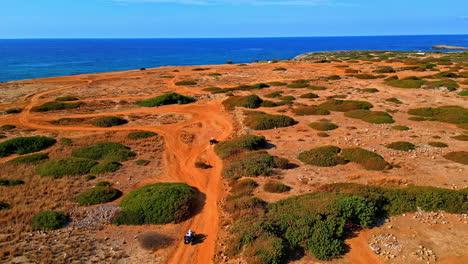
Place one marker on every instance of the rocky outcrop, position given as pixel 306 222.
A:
pixel 445 47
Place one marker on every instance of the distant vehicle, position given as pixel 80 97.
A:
pixel 213 141
pixel 188 238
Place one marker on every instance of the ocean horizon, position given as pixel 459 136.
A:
pixel 39 58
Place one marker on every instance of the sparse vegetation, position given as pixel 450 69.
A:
pixel 400 128
pixel 277 83
pixel 394 100
pixel 159 203
pixel 108 151
pixel 323 126
pixel 316 88
pixel 166 99
pixel 345 105
pixel 275 187
pixel 309 95
pixel 458 156
pixel 30 159
pixel 250 164
pixel 446 114
pixel 142 162
pixel 140 135
pixel 7 127
pixel 105 167
pixel 373 117
pixel 49 220
pixel 54 106
pixel 65 167
pixel 384 69
pixel 437 144
pixel 109 121
pixel 8 182
pixel 67 121
pixel 186 83
pixel 401 145
pixel 98 195
pixel 25 145
pixel 461 137
pixel 66 142
pixel 274 94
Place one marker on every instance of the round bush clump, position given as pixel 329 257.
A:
pixel 287 98
pixel 437 144
pixel 109 121
pixel 275 187
pixel 298 85
pixel 166 99
pixel 262 121
pixel 186 83
pixel 249 101
pixel 401 145
pixel 310 110
pixel 108 151
pixel 105 167
pixel 98 195
pixel 140 135
pixel 159 203
pixel 326 156
pixel 236 145
pixel 316 88
pixel 30 159
pixel 54 106
pixel 458 156
pixel 25 145
pixel 274 94
pixel 373 117
pixel 400 128
pixel 322 134
pixel 368 159
pixel 65 167
pixel 309 95
pixel 323 126
pixel 49 220
pixel 345 105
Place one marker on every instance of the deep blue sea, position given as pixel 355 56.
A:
pixel 37 58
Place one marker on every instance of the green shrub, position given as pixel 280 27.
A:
pixel 166 99
pixel 275 187
pixel 385 69
pixel 332 77
pixel 458 156
pixel 24 145
pixel 267 103
pixel 66 98
pixel 405 83
pixel 215 74
pixel 345 105
pixel 281 163
pixel 316 88
pixel 67 121
pixel 323 126
pixel 249 101
pixel 90 177
pixel 140 135
pixel 274 94
pixel 287 98
pixel 200 69
pixel 98 195
pixel 368 159
pixel 437 144
pixel 185 83
pixel 394 100
pixel 4 206
pixel 49 220
pixel 263 121
pixel 400 128
pixel 108 151
pixel 238 145
pixel 53 106
pixel 8 182
pixel 463 92
pixel 7 127
pixel 401 145
pixel 322 134
pixel 66 141
pixel 461 137
pixel 373 117
pixel 105 167
pixel 251 164
pixel 310 110
pixel 159 203
pixel 13 110
pixel 103 184
pixel 65 167
pixel 323 244
pixel 109 121
pixel 365 76
pixel 244 187
pixel 30 159
pixel 446 114
pixel 451 85
pixel 266 249
pixel 298 85
pixel 142 162
pixel 277 83
pixel 309 95
pixel 326 156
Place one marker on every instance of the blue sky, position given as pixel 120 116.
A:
pixel 229 18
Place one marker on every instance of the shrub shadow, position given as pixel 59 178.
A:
pixel 199 203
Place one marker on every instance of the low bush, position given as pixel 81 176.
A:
pixel 401 145
pixel 4 206
pixel 65 167
pixel 446 114
pixel 316 88
pixel 263 121
pixel 24 145
pixel 166 99
pixel 66 98
pixel 394 100
pixel 309 95
pixel 98 195
pixel 90 177
pixel 142 162
pixel 298 85
pixel 108 151
pixel 275 187
pixel 159 203
pixel 67 121
pixel 277 83
pixel 280 69
pixel 250 164
pixel 238 145
pixel 368 159
pixel 451 85
pixel 274 94
pixel 140 135
pixel 461 137
pixel 463 92
pixel 458 156
pixel 384 69
pixel 345 105
pixel 267 103
pixel 373 117
pixel 53 106
pixel 366 76
pixel 326 156
pixel 287 98
pixel 405 83
pixel 105 167
pixel 281 163
pixel 437 144
pixel 13 110
pixel 244 187
pixel 30 159
pixel 7 127
pixel 200 69
pixel 103 184
pixel 400 128
pixel 310 110
pixel 185 83
pixel 49 220
pixel 370 90
pixel 322 134
pixel 215 74
pixel 249 101
pixel 109 121
pixel 323 126
pixel 8 182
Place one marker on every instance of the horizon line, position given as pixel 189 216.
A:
pixel 329 36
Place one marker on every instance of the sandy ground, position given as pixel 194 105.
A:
pixel 115 93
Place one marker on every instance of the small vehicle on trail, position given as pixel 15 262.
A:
pixel 188 238
pixel 213 141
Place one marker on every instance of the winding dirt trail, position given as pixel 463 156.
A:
pixel 209 120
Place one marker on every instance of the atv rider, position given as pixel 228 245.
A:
pixel 190 233
pixel 212 141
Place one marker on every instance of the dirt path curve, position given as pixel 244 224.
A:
pixel 209 120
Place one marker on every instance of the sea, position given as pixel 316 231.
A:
pixel 38 58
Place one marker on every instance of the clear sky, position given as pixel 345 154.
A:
pixel 229 18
